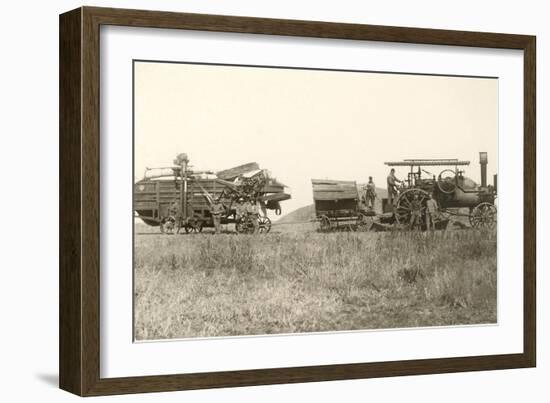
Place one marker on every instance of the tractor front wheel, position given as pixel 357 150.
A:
pixel 484 215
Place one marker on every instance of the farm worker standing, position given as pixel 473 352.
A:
pixel 240 209
pixel 370 195
pixel 392 186
pixel 172 217
pixel 173 210
pixel 252 213
pixel 216 210
pixel 416 213
pixel 432 212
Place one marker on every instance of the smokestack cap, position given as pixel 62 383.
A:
pixel 483 157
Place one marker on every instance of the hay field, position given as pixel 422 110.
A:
pixel 204 285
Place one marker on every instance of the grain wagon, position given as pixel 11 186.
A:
pixel 337 204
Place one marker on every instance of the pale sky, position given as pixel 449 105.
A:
pixel 304 124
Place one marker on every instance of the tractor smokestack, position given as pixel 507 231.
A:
pixel 483 162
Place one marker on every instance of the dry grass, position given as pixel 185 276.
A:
pixel 205 285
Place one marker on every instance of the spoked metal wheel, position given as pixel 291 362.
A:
pixel 410 208
pixel 484 215
pixel 167 225
pixel 194 225
pixel 264 224
pixel 244 226
pixel 363 222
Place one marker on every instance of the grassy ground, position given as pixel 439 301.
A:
pixel 205 285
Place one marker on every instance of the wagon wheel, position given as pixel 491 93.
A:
pixel 179 225
pixel 410 208
pixel 167 225
pixel 244 226
pixel 194 225
pixel 325 223
pixel 484 215
pixel 446 184
pixel 264 224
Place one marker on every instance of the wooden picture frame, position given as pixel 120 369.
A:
pixel 79 348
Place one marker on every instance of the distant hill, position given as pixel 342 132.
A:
pixel 301 214
pixel 307 213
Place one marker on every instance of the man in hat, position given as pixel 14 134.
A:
pixel 252 213
pixel 370 193
pixel 392 186
pixel 216 210
pixel 432 212
pixel 240 209
pixel 416 213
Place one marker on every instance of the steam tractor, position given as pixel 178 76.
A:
pixel 450 188
pixel 175 197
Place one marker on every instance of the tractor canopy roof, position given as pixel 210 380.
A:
pixel 427 162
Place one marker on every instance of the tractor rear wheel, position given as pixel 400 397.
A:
pixel 410 208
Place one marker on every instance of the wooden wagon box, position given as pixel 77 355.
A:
pixel 153 198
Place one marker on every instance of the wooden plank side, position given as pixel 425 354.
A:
pixel 328 189
pixel 320 182
pixel 333 188
pixel 211 185
pixel 335 196
pixel 335 209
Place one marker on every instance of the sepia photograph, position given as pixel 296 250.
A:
pixel 273 200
